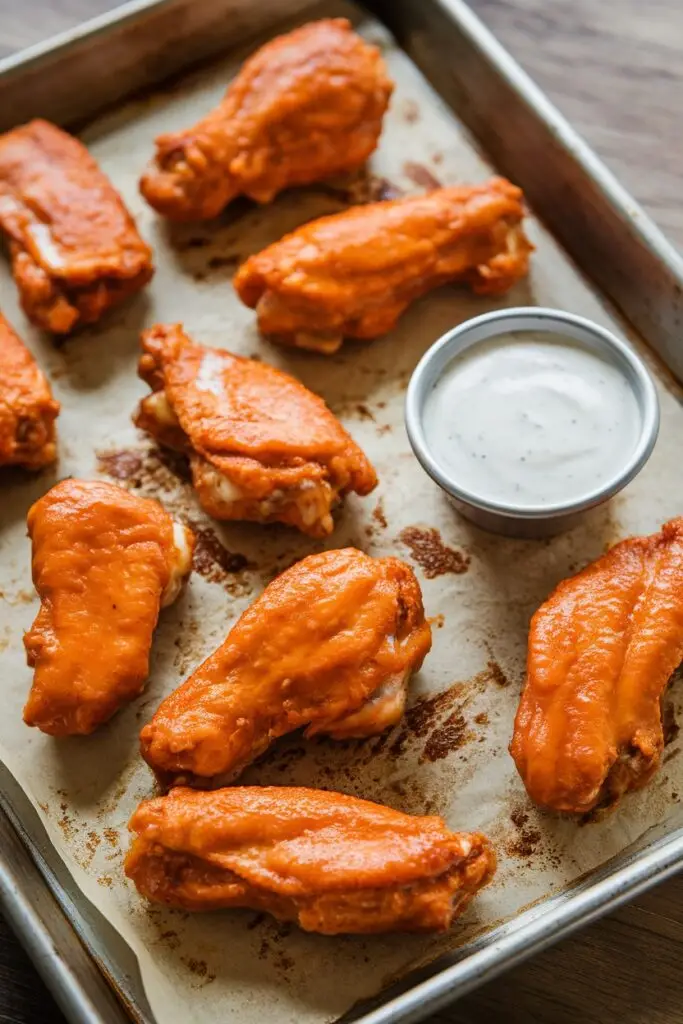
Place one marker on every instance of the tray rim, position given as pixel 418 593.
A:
pixel 85 30
pixel 623 877
pixel 34 903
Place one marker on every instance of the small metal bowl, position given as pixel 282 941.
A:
pixel 529 520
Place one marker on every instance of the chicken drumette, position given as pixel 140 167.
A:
pixel 27 409
pixel 601 652
pixel 330 862
pixel 261 446
pixel 329 645
pixel 353 274
pixel 104 563
pixel 74 247
pixel 306 106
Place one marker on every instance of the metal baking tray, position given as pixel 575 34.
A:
pixel 90 970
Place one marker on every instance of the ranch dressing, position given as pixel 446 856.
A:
pixel 531 419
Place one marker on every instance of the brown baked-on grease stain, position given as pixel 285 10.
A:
pixel 164 459
pixel 281 758
pixel 379 515
pixel 218 262
pixel 194 242
pixel 519 817
pixel 452 734
pixel 421 720
pixel 112 836
pixel 421 175
pixel 89 850
pixel 496 674
pixel 525 842
pixel 429 551
pixel 410 111
pixel 170 938
pixel 20 597
pixel 211 559
pixel 121 465
pixel 359 189
pixel 137 466
pixel 364 412
pixel 69 829
pixel 440 720
pixel 92 842
pixel 270 946
pixel 196 966
pixel 199 969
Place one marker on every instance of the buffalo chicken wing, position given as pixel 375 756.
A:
pixel 601 652
pixel 74 247
pixel 330 646
pixel 331 863
pixel 104 563
pixel 306 106
pixel 353 274
pixel 27 409
pixel 262 447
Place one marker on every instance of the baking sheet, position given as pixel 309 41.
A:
pixel 449 756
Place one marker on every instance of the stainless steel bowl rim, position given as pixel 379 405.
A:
pixel 554 321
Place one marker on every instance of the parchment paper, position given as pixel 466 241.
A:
pixel 450 754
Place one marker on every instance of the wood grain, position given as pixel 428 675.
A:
pixel 23 997
pixel 615 70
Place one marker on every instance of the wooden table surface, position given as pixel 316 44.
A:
pixel 614 68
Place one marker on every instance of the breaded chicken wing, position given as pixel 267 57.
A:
pixel 261 446
pixel 601 652
pixel 330 862
pixel 329 646
pixel 353 274
pixel 74 247
pixel 104 563
pixel 27 409
pixel 306 106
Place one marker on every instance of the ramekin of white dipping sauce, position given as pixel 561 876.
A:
pixel 529 417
